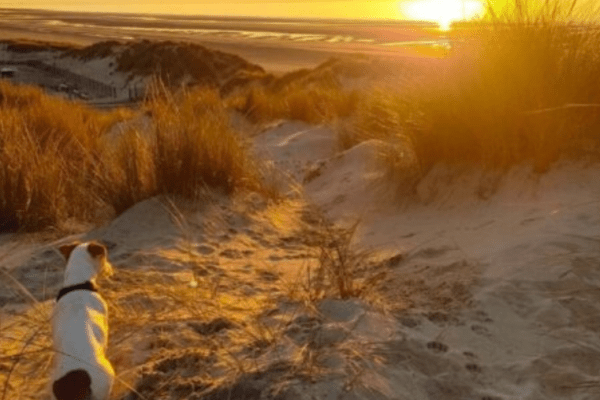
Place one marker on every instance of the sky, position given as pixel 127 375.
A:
pixel 382 9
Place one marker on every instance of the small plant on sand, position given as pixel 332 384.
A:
pixel 341 270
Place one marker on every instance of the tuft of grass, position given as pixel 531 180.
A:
pixel 313 104
pixel 519 87
pixel 47 149
pixel 190 146
pixel 57 161
pixel 505 95
pixel 340 270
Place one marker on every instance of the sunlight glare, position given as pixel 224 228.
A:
pixel 444 12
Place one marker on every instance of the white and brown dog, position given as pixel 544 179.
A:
pixel 80 327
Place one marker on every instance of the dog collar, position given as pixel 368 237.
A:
pixel 87 285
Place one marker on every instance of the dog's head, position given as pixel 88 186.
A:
pixel 85 261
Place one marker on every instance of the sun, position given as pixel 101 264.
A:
pixel 441 11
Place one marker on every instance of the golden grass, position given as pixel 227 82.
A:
pixel 190 146
pixel 47 147
pixel 313 103
pixel 56 161
pixel 26 343
pixel 519 87
pixel 503 96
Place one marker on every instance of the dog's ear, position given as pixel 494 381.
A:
pixel 96 250
pixel 67 249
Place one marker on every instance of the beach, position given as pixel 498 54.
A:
pixel 320 253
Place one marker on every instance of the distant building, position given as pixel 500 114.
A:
pixel 7 72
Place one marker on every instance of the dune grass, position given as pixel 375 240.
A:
pixel 190 145
pixel 522 89
pixel 518 88
pixel 47 148
pixel 57 161
pixel 316 104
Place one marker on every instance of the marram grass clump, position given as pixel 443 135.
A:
pixel 58 160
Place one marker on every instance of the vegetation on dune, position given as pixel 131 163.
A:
pixel 520 87
pixel 176 62
pixel 47 149
pixel 313 96
pixel 191 145
pixel 57 161
pixel 511 104
pixel 313 104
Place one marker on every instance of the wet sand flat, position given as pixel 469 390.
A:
pixel 278 45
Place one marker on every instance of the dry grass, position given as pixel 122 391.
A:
pixel 47 147
pixel 313 104
pixel 56 162
pixel 190 146
pixel 26 343
pixel 338 268
pixel 503 96
pixel 518 88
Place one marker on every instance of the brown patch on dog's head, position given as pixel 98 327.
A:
pixel 96 250
pixel 67 249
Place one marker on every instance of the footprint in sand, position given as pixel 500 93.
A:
pixel 432 252
pixel 409 322
pixel 212 327
pixel 267 276
pixel 475 368
pixel 529 221
pixel 231 253
pixel 481 330
pixel 437 347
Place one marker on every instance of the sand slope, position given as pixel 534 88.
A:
pixel 497 297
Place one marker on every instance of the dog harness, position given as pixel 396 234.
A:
pixel 87 285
